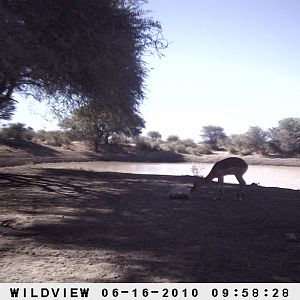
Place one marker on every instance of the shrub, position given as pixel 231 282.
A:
pixel 189 148
pixel 201 149
pixel 154 136
pixel 52 138
pixel 255 139
pixel 143 144
pixel 237 144
pixel 188 143
pixel 17 131
pixel 173 139
pixel 181 148
pixel 213 136
pixel 285 139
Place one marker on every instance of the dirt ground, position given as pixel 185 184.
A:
pixel 60 225
pixel 76 226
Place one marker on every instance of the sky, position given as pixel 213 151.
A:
pixel 233 63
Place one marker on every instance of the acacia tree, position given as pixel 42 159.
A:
pixel 173 138
pixel 213 135
pixel 154 135
pixel 285 138
pixel 256 139
pixel 98 127
pixel 74 52
pixel 17 131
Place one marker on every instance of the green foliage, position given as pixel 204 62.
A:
pixel 201 149
pixel 53 138
pixel 173 138
pixel 188 146
pixel 144 144
pixel 98 126
pixel 285 138
pixel 213 136
pixel 75 52
pixel 7 108
pixel 256 140
pixel 17 131
pixel 189 143
pixel 154 135
pixel 179 148
pixel 237 144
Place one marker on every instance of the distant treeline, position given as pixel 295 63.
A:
pixel 283 140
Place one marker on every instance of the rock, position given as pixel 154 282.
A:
pixel 7 223
pixel 179 193
pixel 291 237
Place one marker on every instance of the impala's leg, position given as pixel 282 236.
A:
pixel 243 185
pixel 220 188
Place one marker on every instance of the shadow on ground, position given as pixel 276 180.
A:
pixel 29 147
pixel 23 152
pixel 154 238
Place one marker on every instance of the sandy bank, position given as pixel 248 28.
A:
pixel 14 153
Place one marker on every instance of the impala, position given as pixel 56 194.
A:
pixel 228 166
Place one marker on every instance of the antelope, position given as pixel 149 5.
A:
pixel 228 166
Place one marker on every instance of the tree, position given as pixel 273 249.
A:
pixel 7 109
pixel 237 143
pixel 75 52
pixel 256 139
pixel 213 135
pixel 173 138
pixel 285 138
pixel 97 127
pixel 189 143
pixel 17 131
pixel 154 135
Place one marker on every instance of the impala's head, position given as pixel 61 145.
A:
pixel 198 183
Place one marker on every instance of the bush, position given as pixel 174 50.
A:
pixel 201 149
pixel 52 138
pixel 213 136
pixel 154 136
pixel 173 138
pixel 255 139
pixel 143 144
pixel 181 148
pixel 237 144
pixel 189 147
pixel 177 148
pixel 17 131
pixel 188 143
pixel 119 139
pixel 285 139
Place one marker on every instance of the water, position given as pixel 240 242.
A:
pixel 271 176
